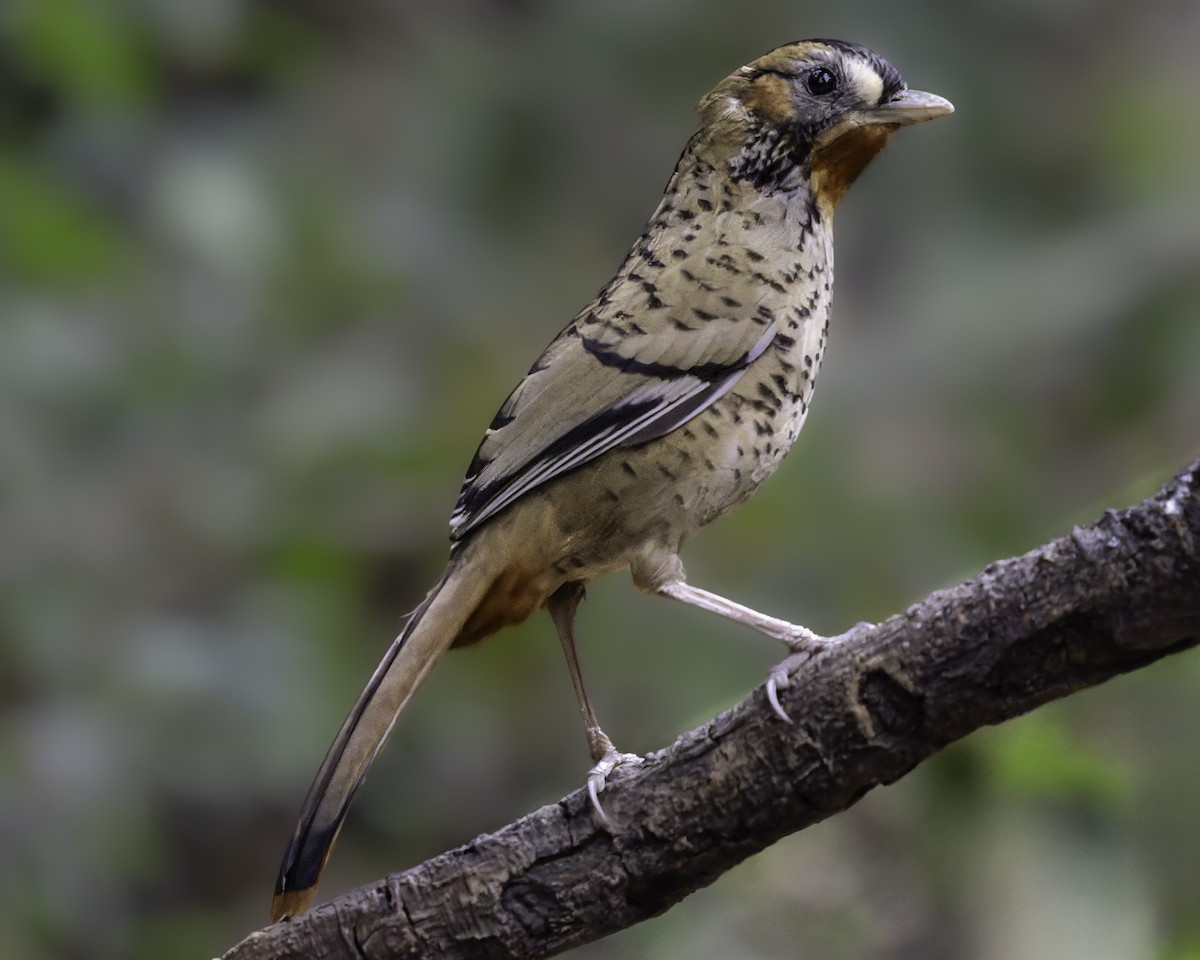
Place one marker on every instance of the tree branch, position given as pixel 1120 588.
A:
pixel 1104 600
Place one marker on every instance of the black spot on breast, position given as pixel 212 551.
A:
pixel 724 262
pixel 773 284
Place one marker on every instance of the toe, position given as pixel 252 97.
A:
pixel 595 783
pixel 598 779
pixel 776 681
pixel 803 640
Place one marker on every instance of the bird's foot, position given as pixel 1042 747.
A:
pixel 599 774
pixel 804 644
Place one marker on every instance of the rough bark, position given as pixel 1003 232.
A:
pixel 1104 600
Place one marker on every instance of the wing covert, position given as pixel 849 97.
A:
pixel 603 383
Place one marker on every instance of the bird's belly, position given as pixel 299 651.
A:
pixel 755 434
pixel 660 493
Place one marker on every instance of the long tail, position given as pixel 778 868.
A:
pixel 433 627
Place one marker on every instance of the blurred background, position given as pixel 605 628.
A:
pixel 266 271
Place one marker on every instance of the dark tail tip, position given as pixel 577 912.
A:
pixel 303 863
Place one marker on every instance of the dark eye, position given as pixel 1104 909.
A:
pixel 820 82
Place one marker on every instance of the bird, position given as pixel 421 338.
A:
pixel 663 405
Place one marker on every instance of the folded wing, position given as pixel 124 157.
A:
pixel 606 382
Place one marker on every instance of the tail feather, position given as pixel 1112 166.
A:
pixel 431 629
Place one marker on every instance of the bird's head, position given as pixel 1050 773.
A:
pixel 816 108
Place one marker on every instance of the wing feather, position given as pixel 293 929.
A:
pixel 597 387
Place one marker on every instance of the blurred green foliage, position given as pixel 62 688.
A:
pixel 1038 758
pixel 48 234
pixel 267 269
pixel 92 55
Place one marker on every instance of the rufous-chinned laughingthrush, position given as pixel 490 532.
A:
pixel 664 404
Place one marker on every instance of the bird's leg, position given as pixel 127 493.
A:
pixel 800 640
pixel 796 637
pixel 562 606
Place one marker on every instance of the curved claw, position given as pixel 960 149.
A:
pixel 598 777
pixel 777 679
pixel 804 645
pixel 594 789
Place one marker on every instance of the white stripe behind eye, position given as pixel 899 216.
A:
pixel 866 82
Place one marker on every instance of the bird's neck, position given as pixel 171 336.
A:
pixel 709 206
